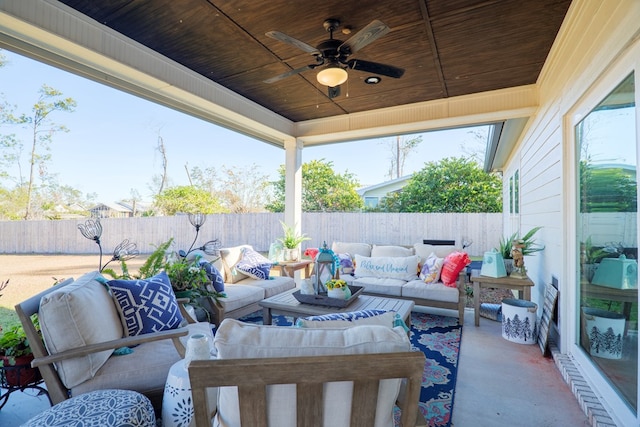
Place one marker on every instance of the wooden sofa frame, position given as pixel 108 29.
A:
pixel 309 374
pixel 44 361
pixel 460 305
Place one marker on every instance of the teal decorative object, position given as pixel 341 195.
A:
pixel 618 273
pixel 493 265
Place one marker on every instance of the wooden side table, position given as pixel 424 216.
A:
pixel 523 286
pixel 288 268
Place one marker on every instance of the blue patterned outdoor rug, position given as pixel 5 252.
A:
pixel 438 337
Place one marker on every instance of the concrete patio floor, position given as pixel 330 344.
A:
pixel 499 384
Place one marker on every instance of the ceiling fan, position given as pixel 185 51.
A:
pixel 332 55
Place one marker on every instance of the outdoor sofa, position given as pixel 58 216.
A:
pixel 403 280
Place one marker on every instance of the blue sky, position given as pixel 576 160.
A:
pixel 110 148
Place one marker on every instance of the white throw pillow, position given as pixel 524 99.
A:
pixel 235 339
pixel 77 315
pixel 402 268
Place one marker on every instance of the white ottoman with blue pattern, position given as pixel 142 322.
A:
pixel 100 408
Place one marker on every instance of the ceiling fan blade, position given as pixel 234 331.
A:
pixel 376 68
pixel 277 35
pixel 334 92
pixel 290 73
pixel 368 34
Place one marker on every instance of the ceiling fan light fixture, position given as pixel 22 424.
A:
pixel 332 76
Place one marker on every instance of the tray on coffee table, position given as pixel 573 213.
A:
pixel 323 299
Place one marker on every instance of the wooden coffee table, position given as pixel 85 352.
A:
pixel 286 304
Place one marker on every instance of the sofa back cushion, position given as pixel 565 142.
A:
pixel 391 251
pixel 77 315
pixel 441 251
pixel 352 249
pixel 401 268
pixel 230 257
pixel 234 340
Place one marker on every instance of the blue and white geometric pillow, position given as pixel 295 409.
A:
pixel 213 274
pixel 362 317
pixel 254 265
pixel 146 305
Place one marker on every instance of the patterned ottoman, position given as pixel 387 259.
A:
pixel 101 408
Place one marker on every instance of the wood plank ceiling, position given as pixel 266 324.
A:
pixel 446 47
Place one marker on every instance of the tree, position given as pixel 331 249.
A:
pixel 450 185
pixel 244 190
pixel 323 190
pixel 240 190
pixel 42 130
pixel 187 199
pixel 400 148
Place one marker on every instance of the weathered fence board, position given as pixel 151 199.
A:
pixel 258 229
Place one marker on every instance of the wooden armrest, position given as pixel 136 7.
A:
pixel 110 345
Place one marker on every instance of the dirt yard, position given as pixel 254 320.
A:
pixel 30 274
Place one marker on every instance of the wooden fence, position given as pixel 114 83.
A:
pixel 259 230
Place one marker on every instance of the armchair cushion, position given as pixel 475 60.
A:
pixel 146 305
pixel 77 315
pixel 237 340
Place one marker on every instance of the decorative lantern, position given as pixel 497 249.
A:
pixel 325 268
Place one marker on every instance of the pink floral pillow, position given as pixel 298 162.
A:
pixel 431 269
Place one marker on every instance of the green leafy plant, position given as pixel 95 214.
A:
pixel 591 254
pixel 530 244
pixel 291 239
pixel 186 275
pixel 14 343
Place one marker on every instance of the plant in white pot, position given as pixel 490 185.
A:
pixel 528 244
pixel 291 242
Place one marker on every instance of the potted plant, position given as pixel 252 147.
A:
pixel 16 352
pixel 291 241
pixel 590 257
pixel 528 245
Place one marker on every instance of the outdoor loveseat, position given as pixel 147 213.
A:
pixel 404 279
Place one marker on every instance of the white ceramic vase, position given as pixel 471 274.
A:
pixel 336 293
pixel 177 405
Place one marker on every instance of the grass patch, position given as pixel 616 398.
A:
pixel 8 318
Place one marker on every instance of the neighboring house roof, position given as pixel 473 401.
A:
pixel 385 187
pixel 122 206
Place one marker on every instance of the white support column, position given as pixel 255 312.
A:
pixel 293 183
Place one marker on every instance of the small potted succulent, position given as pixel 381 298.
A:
pixel 528 245
pixel 291 242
